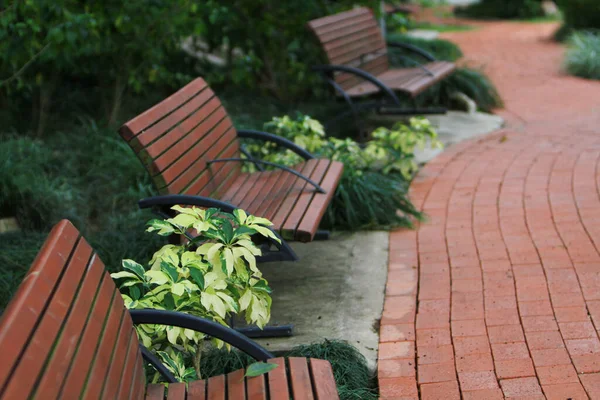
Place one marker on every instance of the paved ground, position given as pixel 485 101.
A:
pixel 507 270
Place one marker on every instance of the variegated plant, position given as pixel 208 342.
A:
pixel 212 276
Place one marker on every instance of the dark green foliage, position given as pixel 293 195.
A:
pixel 583 55
pixel 580 14
pixel 372 200
pixel 472 82
pixel 502 9
pixel 89 176
pixel 439 48
pixel 354 381
pixel 17 252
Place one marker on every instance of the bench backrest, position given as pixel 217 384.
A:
pixel 66 333
pixel 175 139
pixel 352 38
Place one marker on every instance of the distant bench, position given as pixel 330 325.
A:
pixel 359 65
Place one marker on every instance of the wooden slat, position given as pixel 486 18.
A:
pixel 367 43
pixel 256 388
pixel 117 364
pixel 300 379
pixel 287 199
pixel 340 45
pixel 105 350
pixel 278 383
pixel 81 365
pixel 189 179
pixel 319 23
pixel 152 115
pixel 310 222
pixel 33 359
pixel 196 390
pixel 131 360
pixel 64 350
pixel 185 120
pixel 323 380
pixel 360 23
pixel 135 389
pixel 151 138
pixel 23 312
pixel 175 139
pixel 256 198
pixel 176 391
pixel 195 141
pixel 290 200
pixel 236 388
pixel 272 201
pixel 216 388
pixel 240 188
pixel 155 391
pixel 302 202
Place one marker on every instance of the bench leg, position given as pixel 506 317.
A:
pixel 322 235
pixel 268 331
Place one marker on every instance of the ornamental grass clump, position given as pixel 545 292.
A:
pixel 212 276
pixel 583 55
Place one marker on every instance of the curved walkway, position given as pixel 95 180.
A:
pixel 498 294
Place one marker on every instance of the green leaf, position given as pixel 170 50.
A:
pixel 259 368
pixel 134 267
pixel 243 230
pixel 198 277
pixel 227 230
pixel 135 292
pixel 262 286
pixel 169 270
pixel 163 227
pixel 240 216
pixel 124 274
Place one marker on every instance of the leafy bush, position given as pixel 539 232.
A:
pixel 580 14
pixel 352 376
pixel 373 190
pixel 213 276
pixel 583 55
pixel 502 9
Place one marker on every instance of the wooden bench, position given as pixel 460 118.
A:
pixel 359 66
pixel 67 334
pixel 191 149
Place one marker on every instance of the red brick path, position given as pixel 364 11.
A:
pixel 498 294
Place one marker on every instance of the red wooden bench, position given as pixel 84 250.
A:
pixel 67 334
pixel 192 151
pixel 359 66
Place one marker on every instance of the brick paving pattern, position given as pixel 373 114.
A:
pixel 497 295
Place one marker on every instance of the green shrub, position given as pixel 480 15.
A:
pixel 583 55
pixel 580 14
pixel 373 190
pixel 352 376
pixel 213 276
pixel 502 9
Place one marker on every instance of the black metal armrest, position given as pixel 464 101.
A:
pixel 210 328
pixel 412 48
pixel 170 200
pixel 283 142
pixel 361 74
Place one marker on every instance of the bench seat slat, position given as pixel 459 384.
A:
pixel 323 380
pixel 300 379
pixel 309 224
pixel 278 381
pixel 176 391
pixel 216 387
